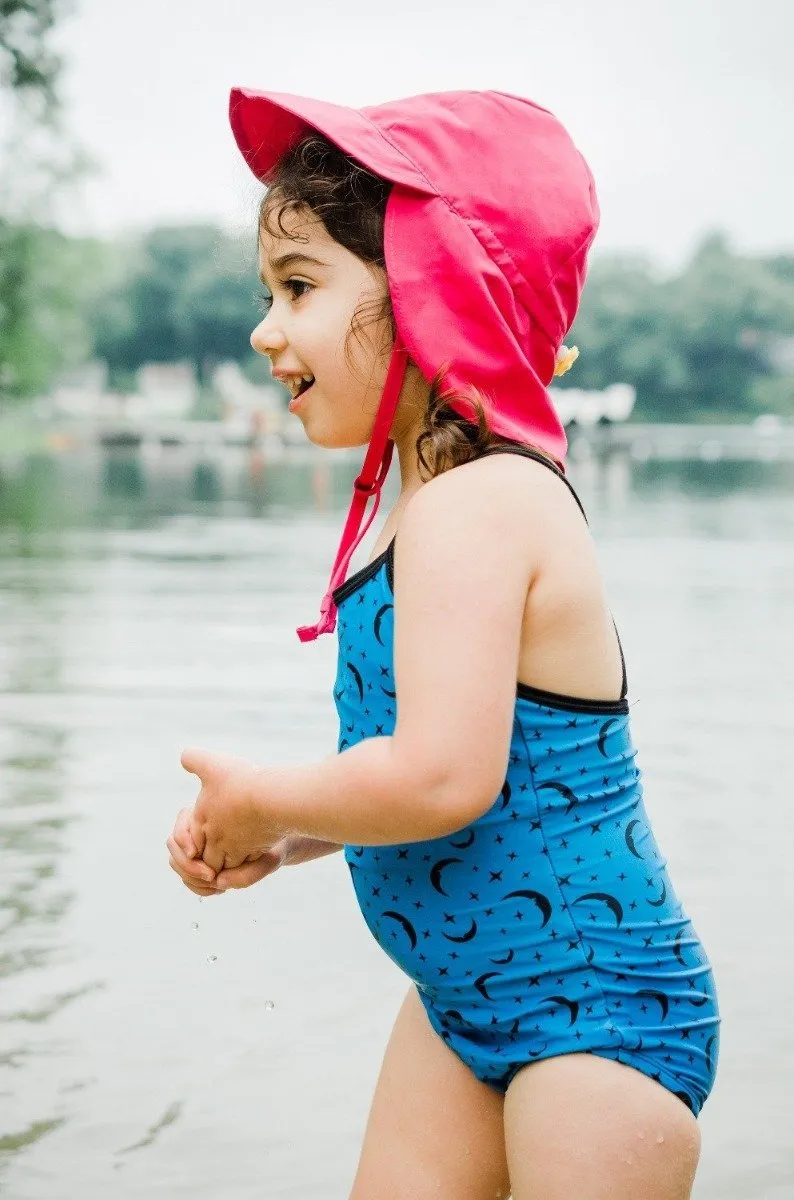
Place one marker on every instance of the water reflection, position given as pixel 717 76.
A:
pixel 33 901
pixel 149 597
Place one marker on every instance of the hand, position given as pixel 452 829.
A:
pixel 201 879
pixel 229 825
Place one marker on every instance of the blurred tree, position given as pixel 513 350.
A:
pixel 695 345
pixel 711 342
pixel 188 298
pixel 27 65
pixel 39 301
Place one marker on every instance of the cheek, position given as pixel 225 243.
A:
pixel 339 421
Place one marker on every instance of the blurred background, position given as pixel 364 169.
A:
pixel 164 526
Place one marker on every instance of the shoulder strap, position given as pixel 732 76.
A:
pixel 536 456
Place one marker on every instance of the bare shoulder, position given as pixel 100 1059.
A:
pixel 521 499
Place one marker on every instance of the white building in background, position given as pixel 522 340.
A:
pixel 589 408
pixel 79 392
pixel 164 390
pixel 247 404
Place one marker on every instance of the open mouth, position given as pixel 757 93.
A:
pixel 304 386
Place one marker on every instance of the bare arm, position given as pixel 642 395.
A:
pixel 408 786
pixel 302 849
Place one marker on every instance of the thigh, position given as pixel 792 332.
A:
pixel 434 1131
pixel 579 1125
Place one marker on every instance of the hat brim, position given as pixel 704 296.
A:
pixel 266 125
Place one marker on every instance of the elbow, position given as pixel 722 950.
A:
pixel 450 798
pixel 459 801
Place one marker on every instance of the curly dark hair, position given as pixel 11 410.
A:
pixel 350 201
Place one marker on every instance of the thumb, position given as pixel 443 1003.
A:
pixel 248 873
pixel 198 762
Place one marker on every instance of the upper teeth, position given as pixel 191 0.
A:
pixel 294 383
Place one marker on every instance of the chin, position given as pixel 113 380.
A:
pixel 334 439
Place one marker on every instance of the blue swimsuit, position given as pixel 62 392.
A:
pixel 549 925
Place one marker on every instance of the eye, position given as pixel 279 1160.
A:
pixel 292 284
pixel 296 288
pixel 264 301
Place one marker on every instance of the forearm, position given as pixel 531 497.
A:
pixel 371 795
pixel 305 849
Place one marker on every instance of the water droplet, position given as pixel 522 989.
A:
pixel 640 1135
pixel 269 1006
pixel 195 924
pixel 212 958
pixel 659 1140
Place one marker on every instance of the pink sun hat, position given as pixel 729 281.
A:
pixel 486 237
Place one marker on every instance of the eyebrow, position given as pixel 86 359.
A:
pixel 289 260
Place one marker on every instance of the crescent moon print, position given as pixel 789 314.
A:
pixel 537 1053
pixel 354 671
pixel 677 948
pixel 463 845
pixel 572 1005
pixel 563 790
pixel 604 734
pixel 707 1051
pixel 480 983
pixel 630 839
pixel 502 962
pixel 453 1014
pixel 590 955
pixel 378 618
pixel 406 924
pixel 610 901
pixel 343 744
pixel 539 899
pixel 505 796
pixel 386 692
pixel 698 1003
pixel 472 932
pixel 660 997
pixel 435 873
pixel 658 903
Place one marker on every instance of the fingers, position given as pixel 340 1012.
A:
pixel 193 869
pixel 182 835
pixel 249 873
pixel 191 883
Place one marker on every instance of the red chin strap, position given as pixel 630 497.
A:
pixel 369 483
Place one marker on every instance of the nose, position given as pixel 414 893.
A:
pixel 267 338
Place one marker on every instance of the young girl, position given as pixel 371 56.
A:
pixel 424 260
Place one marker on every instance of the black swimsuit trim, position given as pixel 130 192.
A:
pixel 354 582
pixel 572 703
pixel 523 690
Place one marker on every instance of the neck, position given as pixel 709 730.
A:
pixel 406 428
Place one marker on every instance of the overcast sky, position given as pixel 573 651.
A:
pixel 682 107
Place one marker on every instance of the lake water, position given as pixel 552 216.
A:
pixel 155 1045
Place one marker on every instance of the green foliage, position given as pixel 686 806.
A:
pixel 45 278
pixel 712 342
pixel 187 298
pixel 697 345
pixel 27 66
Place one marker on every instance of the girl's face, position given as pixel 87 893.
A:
pixel 315 286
